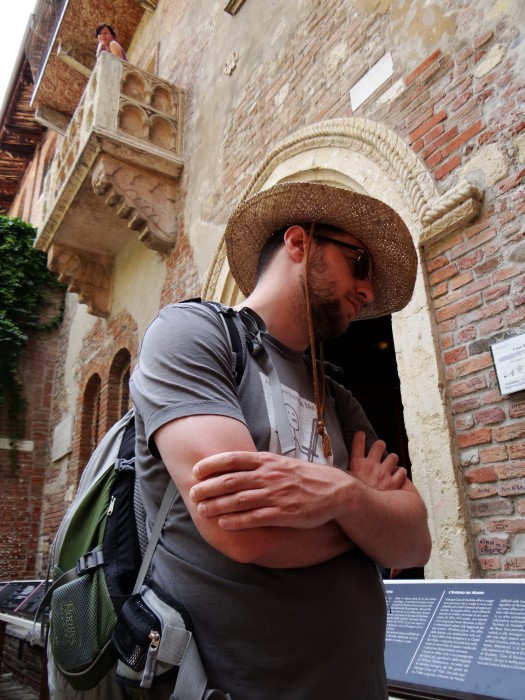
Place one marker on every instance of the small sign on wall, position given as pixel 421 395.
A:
pixel 509 361
pixel 62 439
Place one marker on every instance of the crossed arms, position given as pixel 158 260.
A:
pixel 281 512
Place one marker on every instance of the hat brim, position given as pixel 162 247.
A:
pixel 379 228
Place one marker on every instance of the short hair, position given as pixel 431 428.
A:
pixel 108 26
pixel 268 251
pixel 276 240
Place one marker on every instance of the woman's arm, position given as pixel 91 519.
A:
pixel 116 49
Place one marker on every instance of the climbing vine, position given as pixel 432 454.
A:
pixel 25 286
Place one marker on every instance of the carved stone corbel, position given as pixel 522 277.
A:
pixel 233 6
pixel 77 57
pixel 51 119
pixel 454 209
pixel 86 275
pixel 150 5
pixel 143 198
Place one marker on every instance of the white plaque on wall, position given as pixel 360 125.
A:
pixel 62 438
pixel 509 360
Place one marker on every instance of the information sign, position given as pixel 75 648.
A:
pixel 14 594
pixel 456 639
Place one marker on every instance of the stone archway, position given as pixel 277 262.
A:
pixel 366 156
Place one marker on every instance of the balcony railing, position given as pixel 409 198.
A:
pixel 122 149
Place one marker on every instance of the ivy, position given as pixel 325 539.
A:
pixel 25 284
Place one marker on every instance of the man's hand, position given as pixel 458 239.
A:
pixel 254 489
pixel 247 489
pixel 274 547
pixel 374 504
pixel 300 514
pixel 383 474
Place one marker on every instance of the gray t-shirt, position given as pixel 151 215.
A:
pixel 264 634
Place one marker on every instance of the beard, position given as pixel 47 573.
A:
pixel 327 315
pixel 327 319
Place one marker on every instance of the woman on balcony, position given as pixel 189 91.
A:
pixel 107 41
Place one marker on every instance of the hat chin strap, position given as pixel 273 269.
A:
pixel 319 395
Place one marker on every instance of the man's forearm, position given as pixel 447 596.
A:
pixel 390 526
pixel 288 547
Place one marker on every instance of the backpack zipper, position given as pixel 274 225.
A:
pixel 111 506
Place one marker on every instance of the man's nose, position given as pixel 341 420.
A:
pixel 365 290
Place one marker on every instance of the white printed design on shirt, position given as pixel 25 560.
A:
pixel 302 416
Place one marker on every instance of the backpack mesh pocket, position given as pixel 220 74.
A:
pixel 82 618
pixel 149 639
pixel 131 637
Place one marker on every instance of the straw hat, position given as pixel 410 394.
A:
pixel 379 228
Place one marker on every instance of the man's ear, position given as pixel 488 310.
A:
pixel 295 241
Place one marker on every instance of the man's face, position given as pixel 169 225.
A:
pixel 337 294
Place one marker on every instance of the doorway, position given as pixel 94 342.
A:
pixel 366 354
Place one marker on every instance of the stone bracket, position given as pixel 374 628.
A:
pixel 51 119
pixel 150 5
pixel 77 57
pixel 233 6
pixel 446 214
pixel 86 275
pixel 143 198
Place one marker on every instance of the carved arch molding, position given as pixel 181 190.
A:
pixel 432 216
pixel 366 156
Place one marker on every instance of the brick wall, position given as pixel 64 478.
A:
pixel 100 346
pixel 23 485
pixel 475 284
pixel 456 105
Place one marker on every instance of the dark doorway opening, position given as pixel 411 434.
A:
pixel 366 354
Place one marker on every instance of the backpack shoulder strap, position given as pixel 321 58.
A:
pixel 233 327
pixel 255 331
pixel 234 331
pixel 156 532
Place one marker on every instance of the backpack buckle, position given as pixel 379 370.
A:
pixel 90 561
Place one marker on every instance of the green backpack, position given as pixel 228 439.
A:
pixel 99 559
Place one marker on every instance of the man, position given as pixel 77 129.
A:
pixel 274 556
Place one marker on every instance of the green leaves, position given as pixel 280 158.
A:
pixel 25 283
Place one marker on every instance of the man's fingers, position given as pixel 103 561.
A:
pixel 230 484
pixel 391 462
pixel 244 521
pixel 378 450
pixel 226 462
pixel 214 503
pixel 399 477
pixel 358 445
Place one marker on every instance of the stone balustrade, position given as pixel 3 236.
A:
pixel 123 150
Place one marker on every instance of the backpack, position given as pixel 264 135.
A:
pixel 100 557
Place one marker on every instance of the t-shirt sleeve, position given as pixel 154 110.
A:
pixel 184 369
pixel 352 417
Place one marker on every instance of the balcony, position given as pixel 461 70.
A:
pixel 61 49
pixel 113 176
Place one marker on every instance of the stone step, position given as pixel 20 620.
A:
pixel 10 689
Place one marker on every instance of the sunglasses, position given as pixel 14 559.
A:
pixel 361 264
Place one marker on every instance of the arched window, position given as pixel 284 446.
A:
pixel 118 387
pixel 90 423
